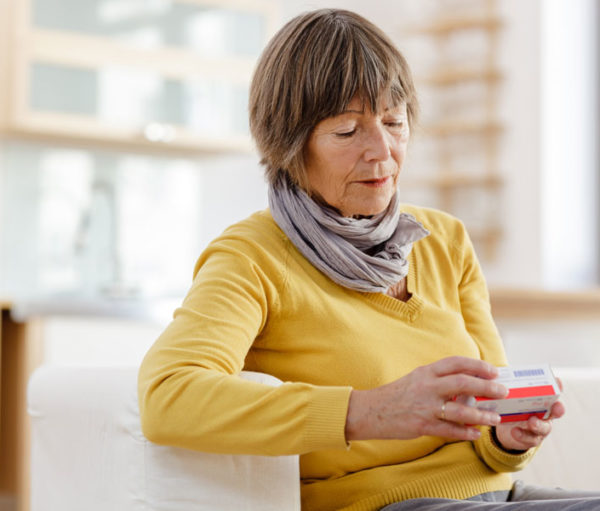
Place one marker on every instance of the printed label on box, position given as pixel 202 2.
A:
pixel 532 390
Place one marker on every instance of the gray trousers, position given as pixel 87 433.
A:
pixel 526 497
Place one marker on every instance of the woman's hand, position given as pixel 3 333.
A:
pixel 420 403
pixel 520 436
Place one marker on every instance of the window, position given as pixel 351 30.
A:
pixel 570 134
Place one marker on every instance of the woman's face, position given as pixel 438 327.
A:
pixel 353 160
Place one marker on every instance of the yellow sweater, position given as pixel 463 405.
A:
pixel 257 304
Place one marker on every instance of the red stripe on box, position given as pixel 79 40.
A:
pixel 514 417
pixel 542 390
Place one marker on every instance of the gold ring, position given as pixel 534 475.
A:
pixel 443 412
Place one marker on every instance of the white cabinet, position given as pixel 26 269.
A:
pixel 166 74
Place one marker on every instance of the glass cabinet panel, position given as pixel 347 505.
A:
pixel 210 106
pixel 206 29
pixel 140 73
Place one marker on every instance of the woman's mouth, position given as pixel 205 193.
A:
pixel 375 183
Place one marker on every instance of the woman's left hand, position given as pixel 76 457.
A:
pixel 520 436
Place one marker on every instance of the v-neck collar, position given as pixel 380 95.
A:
pixel 412 308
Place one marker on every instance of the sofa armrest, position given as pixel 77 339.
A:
pixel 569 456
pixel 88 452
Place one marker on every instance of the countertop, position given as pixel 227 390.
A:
pixel 541 304
pixel 527 304
pixel 152 310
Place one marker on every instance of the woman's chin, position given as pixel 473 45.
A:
pixel 369 209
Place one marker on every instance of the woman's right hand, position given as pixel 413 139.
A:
pixel 421 403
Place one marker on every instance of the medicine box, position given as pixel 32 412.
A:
pixel 532 390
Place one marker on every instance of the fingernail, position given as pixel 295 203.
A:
pixel 474 434
pixel 501 389
pixel 494 419
pixel 493 370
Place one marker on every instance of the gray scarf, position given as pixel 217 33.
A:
pixel 365 254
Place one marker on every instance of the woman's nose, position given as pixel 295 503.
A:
pixel 377 146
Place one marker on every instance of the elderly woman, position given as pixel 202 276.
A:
pixel 374 313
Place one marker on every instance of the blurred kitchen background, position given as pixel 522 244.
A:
pixel 124 150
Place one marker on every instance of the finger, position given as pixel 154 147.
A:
pixel 557 410
pixel 462 414
pixel 560 384
pixel 464 384
pixel 452 430
pixel 537 427
pixel 526 438
pixel 465 365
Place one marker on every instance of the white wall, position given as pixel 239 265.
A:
pixel 518 261
pixel 233 188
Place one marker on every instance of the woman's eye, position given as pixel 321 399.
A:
pixel 395 124
pixel 346 134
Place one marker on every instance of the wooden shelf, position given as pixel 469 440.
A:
pixel 94 52
pixel 445 26
pixel 462 127
pixel 86 129
pixel 454 180
pixel 478 134
pixel 536 304
pixel 453 76
pixel 485 234
pixel 487 240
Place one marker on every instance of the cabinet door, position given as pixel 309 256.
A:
pixel 212 29
pixel 143 99
pixel 144 73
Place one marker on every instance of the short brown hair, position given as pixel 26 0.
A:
pixel 310 70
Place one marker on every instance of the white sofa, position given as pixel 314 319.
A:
pixel 88 451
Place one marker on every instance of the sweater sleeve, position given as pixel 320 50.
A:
pixel 497 458
pixel 475 303
pixel 190 394
pixel 476 311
